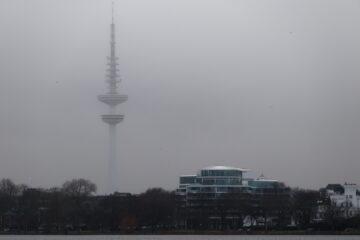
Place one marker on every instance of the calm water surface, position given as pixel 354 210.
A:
pixel 187 237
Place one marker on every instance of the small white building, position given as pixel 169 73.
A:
pixel 347 201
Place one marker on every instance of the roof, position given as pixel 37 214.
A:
pixel 265 180
pixel 226 168
pixel 335 187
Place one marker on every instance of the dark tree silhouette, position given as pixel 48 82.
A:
pixel 7 187
pixel 304 206
pixel 79 187
pixel 156 208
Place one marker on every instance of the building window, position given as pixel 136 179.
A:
pixel 208 181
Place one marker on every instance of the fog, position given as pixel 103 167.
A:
pixel 270 85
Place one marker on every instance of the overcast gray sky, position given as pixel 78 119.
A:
pixel 270 85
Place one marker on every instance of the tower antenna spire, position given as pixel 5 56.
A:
pixel 112 12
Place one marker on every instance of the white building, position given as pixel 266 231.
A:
pixel 346 201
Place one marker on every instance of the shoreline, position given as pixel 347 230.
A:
pixel 249 233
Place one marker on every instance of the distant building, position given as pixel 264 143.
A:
pixel 217 197
pixel 213 181
pixel 342 200
pixel 216 180
pixel 348 201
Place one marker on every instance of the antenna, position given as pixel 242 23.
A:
pixel 112 13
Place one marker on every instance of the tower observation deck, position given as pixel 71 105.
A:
pixel 112 98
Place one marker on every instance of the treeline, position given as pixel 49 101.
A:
pixel 74 208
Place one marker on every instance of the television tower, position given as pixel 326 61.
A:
pixel 112 99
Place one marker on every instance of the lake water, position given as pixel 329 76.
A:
pixel 177 237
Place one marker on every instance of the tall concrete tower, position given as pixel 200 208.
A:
pixel 112 98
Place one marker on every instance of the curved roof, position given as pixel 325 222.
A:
pixel 225 168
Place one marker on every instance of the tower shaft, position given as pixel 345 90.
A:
pixel 112 165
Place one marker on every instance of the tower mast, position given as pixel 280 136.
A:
pixel 112 98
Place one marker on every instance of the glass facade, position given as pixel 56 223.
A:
pixel 219 176
pixel 188 179
pixel 219 181
pixel 212 181
pixel 220 173
pixel 260 183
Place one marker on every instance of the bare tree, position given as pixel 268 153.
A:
pixel 8 187
pixel 79 187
